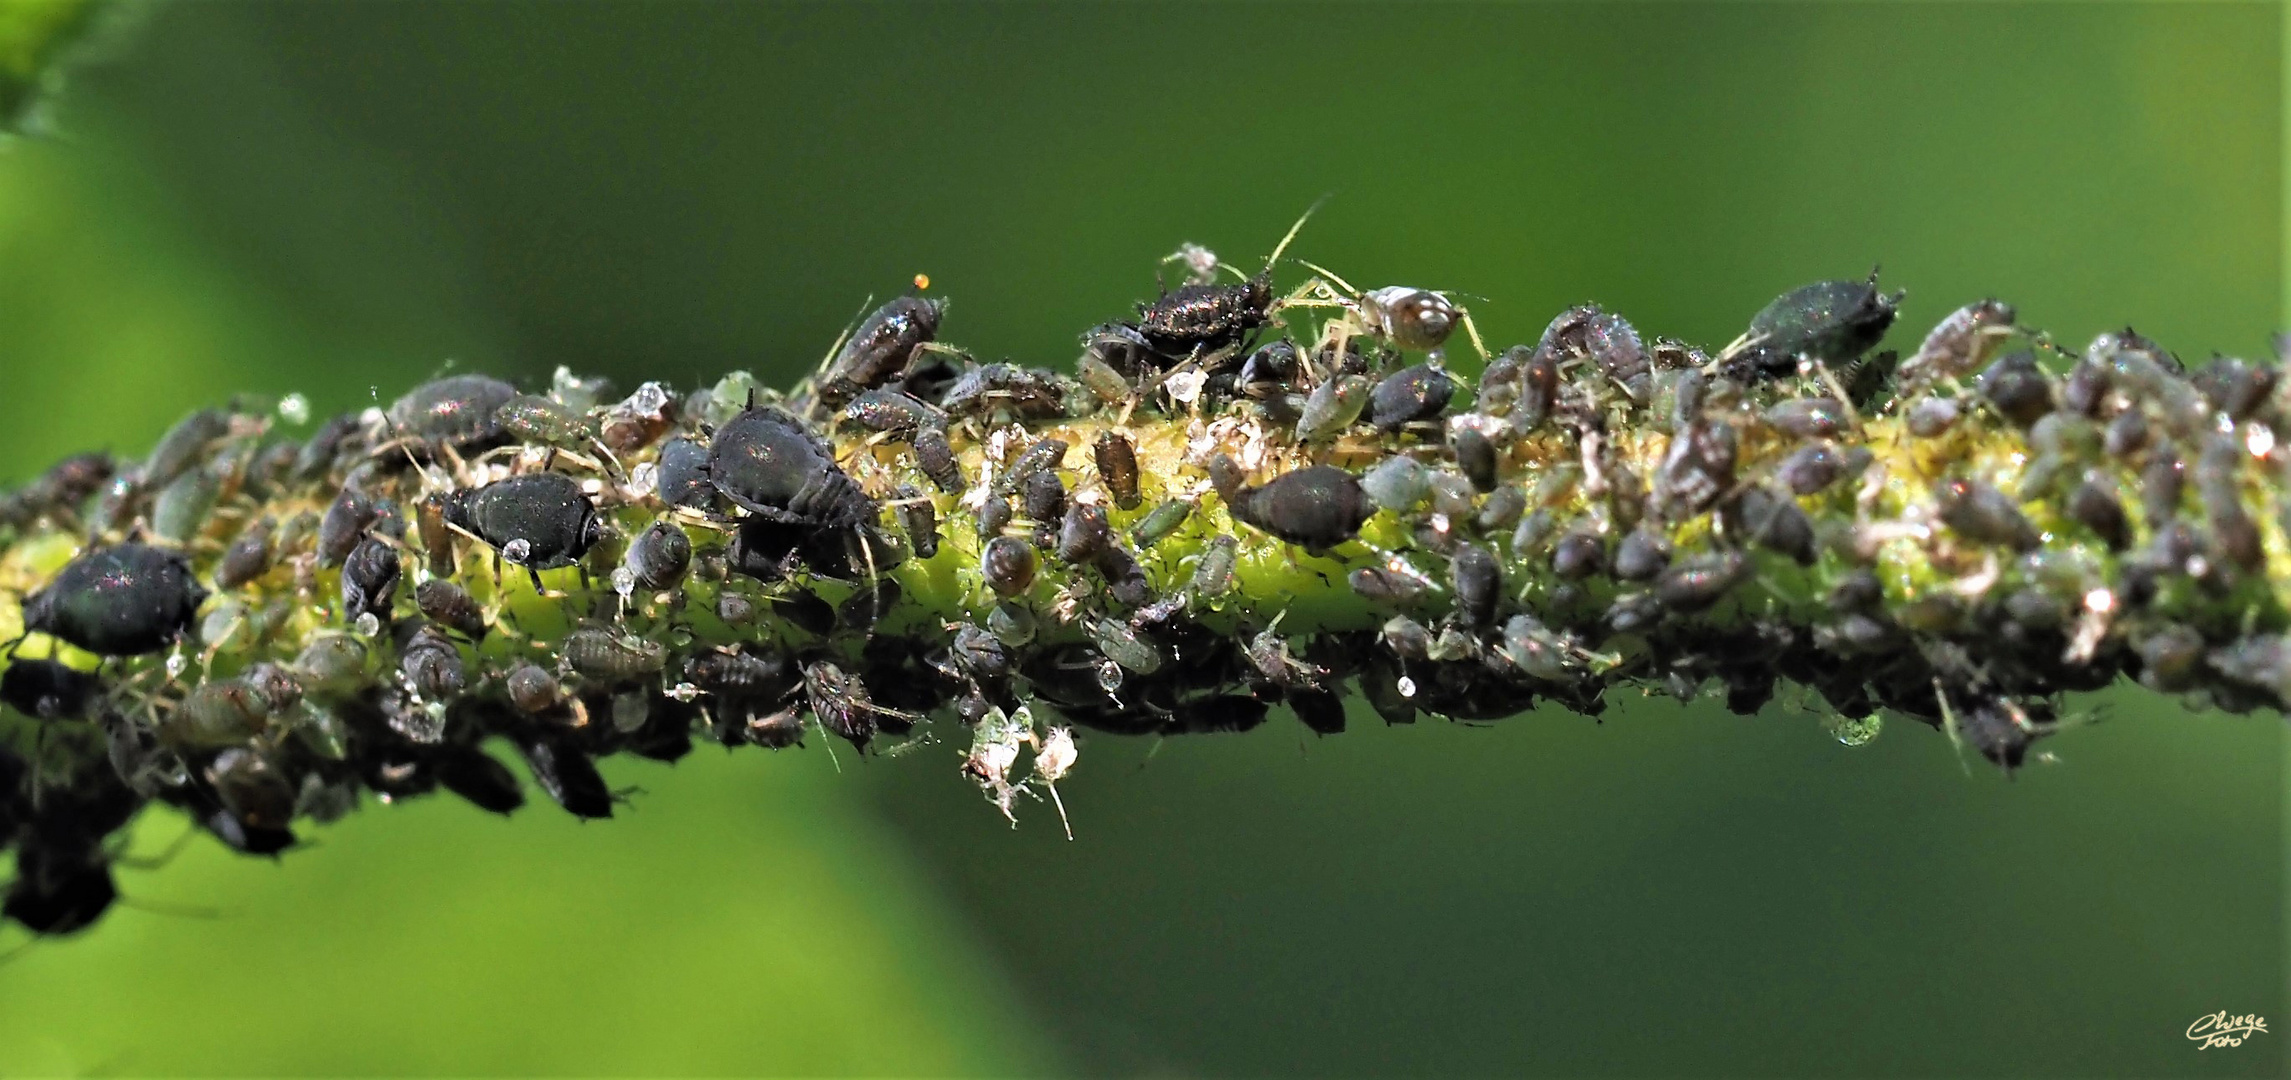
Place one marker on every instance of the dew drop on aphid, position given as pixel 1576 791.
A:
pixel 294 409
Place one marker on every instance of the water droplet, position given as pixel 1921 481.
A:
pixel 1406 686
pixel 294 409
pixel 1851 731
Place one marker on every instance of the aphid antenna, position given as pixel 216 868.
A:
pixel 1837 390
pixel 865 306
pixel 175 910
pixel 1347 297
pixel 1275 257
pixel 1949 728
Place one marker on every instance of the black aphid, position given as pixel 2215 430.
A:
pixel 681 475
pixel 1316 508
pixel 1204 318
pixel 659 557
pixel 1044 497
pixel 124 600
pixel 248 557
pixel 370 580
pixel 539 521
pixel 1320 710
pixel 1694 584
pixel 432 665
pixel 2018 388
pixel 1006 389
pixel 891 411
pixel 1579 554
pixel 919 517
pixel 1828 321
pixel 840 702
pixel 1697 468
pixel 610 657
pixel 1642 554
pixel 1126 581
pixel 1118 466
pixel 937 460
pixel 1809 418
pixel 1007 563
pixel 46 690
pixel 474 775
pixel 457 411
pixel 450 606
pixel 1983 514
pixel 1475 455
pixel 566 774
pixel 1083 533
pixel 532 689
pixel 345 523
pixel 771 465
pixel 2094 506
pixel 1606 339
pixel 1477 580
pixel 58 892
pixel 880 348
pixel 1813 468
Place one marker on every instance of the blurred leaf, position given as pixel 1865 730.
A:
pixel 33 35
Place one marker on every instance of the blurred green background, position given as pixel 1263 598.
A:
pixel 342 199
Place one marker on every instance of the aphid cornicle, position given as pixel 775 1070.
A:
pixel 124 600
pixel 370 580
pixel 1316 508
pixel 771 465
pixel 456 411
pixel 539 521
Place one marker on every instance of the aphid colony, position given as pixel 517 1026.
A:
pixel 1241 500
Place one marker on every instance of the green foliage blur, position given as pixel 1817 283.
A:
pixel 344 199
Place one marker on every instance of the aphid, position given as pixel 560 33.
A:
pixel 659 557
pixel 1160 522
pixel 567 774
pixel 770 464
pixel 1998 729
pixel 993 517
pixel 636 420
pixel 1958 345
pixel 1397 483
pixel 532 689
pixel 2259 660
pixel 1697 468
pixel 1809 418
pixel 1407 637
pixel 735 609
pixel 181 508
pixel 1213 575
pixel 1826 322
pixel 864 607
pixel 1533 530
pixel 55 894
pixel 436 537
pixel 1205 318
pixel 432 665
pixel 1083 533
pixel 539 521
pixel 1382 586
pixel 1931 417
pixel 2235 537
pixel 1643 554
pixel 1316 508
pixel 456 411
pixel 919 517
pixel 1044 497
pixel 225 712
pixel 1693 584
pixel 1811 469
pixel 1578 555
pixel 1126 581
pixel 346 521
pixel 1502 508
pixel 937 460
pixel 1531 647
pixel 1125 646
pixel 2018 388
pixel 2161 483
pixel 840 702
pixel 2096 508
pixel 536 419
pixel 1410 395
pixel 1409 318
pixel 1775 522
pixel 881 347
pixel 681 475
pixel 2086 388
pixel 739 676
pixel 2126 435
pixel 248 557
pixel 450 606
pixel 609 657
pixel 892 411
pixel 1475 455
pixel 1117 460
pixel 1006 389
pixel 332 663
pixel 1538 390
pixel 1043 455
pixel 46 690
pixel 1320 710
pixel 182 445
pixel 1007 563
pixel 1477 580
pixel 1102 379
pixel 124 600
pixel 2234 387
pixel 370 580
pixel 474 775
pixel 1983 514
pixel 1332 408
pixel 1606 339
